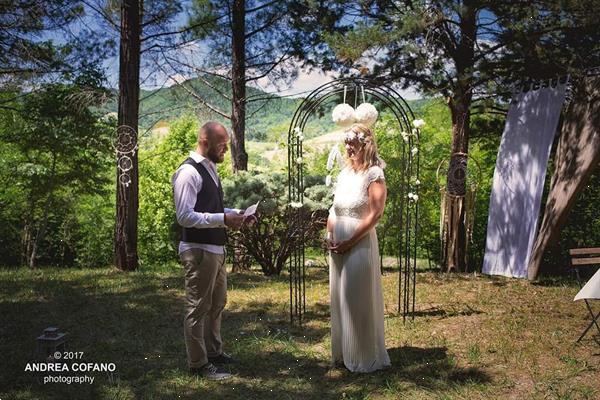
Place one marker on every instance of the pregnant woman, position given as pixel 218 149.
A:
pixel 357 334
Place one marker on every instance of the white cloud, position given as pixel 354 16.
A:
pixel 307 81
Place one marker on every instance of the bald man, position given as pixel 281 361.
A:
pixel 199 206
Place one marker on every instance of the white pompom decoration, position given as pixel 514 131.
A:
pixel 366 114
pixel 343 115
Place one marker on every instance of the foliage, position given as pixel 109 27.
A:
pixel 280 227
pixel 156 230
pixel 268 115
pixel 57 152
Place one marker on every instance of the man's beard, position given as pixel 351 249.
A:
pixel 214 155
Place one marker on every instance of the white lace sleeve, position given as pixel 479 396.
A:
pixel 375 173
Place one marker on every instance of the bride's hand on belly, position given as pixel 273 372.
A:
pixel 341 247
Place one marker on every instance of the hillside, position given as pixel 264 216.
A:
pixel 267 119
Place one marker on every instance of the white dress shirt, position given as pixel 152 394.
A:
pixel 187 182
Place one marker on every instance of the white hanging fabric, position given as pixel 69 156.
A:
pixel 519 180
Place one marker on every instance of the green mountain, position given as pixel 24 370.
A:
pixel 267 117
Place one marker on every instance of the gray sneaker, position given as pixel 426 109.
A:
pixel 211 372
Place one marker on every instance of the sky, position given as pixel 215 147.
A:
pixel 306 81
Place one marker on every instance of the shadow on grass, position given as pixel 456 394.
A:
pixel 564 281
pixel 135 321
pixel 438 312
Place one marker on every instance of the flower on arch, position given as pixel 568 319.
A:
pixel 414 197
pixel 405 136
pixel 299 160
pixel 296 204
pixel 418 123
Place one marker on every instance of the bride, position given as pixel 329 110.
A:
pixel 357 336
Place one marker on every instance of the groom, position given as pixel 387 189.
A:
pixel 199 207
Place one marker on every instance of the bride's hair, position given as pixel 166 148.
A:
pixel 367 139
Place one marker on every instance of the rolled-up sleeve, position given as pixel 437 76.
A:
pixel 186 185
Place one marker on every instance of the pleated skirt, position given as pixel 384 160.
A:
pixel 357 312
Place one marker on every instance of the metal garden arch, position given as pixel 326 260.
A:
pixel 406 202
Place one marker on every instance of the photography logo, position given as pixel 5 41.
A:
pixel 54 364
pixel 76 372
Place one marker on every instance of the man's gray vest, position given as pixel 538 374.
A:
pixel 209 200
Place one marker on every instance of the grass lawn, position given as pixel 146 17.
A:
pixel 474 337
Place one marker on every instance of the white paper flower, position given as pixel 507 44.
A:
pixel 366 114
pixel 416 197
pixel 410 195
pixel 418 123
pixel 343 115
pixel 415 132
pixel 332 158
pixel 328 180
pixel 417 182
pixel 414 151
pixel 297 130
pixel 295 204
pixel 339 159
pixel 300 138
pixel 299 160
pixel 404 135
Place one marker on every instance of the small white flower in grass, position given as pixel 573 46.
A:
pixel 414 151
pixel 299 160
pixel 418 123
pixel 328 180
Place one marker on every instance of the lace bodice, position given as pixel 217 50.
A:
pixel 351 196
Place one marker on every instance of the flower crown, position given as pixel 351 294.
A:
pixel 352 135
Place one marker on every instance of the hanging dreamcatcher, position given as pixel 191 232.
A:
pixel 460 182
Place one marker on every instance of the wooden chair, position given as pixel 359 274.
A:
pixel 580 258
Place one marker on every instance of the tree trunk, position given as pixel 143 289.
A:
pixel 35 243
pixel 238 82
pixel 577 156
pixel 455 251
pixel 126 257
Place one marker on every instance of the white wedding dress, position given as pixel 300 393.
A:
pixel 357 334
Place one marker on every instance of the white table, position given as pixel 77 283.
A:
pixel 591 290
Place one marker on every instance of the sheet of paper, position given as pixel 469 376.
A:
pixel 251 210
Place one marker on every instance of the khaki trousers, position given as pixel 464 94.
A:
pixel 205 299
